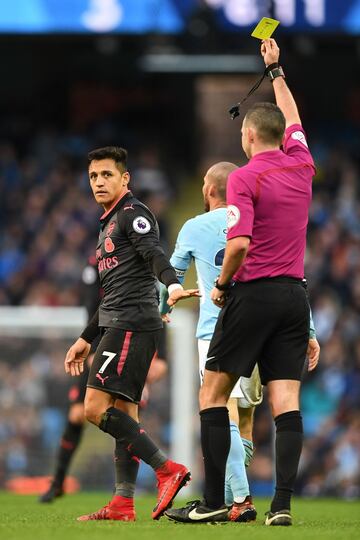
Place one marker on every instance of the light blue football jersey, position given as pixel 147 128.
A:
pixel 203 240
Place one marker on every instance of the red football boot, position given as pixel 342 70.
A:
pixel 171 477
pixel 243 512
pixel 119 508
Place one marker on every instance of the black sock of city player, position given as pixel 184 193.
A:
pixel 215 443
pixel 124 428
pixel 288 445
pixel 126 471
pixel 69 442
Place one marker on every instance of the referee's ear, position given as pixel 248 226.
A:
pixel 250 133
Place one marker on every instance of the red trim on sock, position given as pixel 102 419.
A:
pixel 68 445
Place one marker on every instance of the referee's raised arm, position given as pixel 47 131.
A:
pixel 284 98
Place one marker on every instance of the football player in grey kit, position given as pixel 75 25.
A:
pixel 130 260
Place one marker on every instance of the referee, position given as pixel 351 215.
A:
pixel 265 312
pixel 129 259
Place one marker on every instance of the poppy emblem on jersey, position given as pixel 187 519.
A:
pixel 299 136
pixel 109 245
pixel 110 228
pixel 141 225
pixel 232 215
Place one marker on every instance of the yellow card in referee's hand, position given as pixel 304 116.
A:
pixel 265 28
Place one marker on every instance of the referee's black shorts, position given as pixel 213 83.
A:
pixel 264 321
pixel 121 362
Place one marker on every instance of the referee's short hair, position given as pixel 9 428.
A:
pixel 118 154
pixel 268 120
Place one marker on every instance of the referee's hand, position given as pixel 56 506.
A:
pixel 270 51
pixel 76 356
pixel 313 353
pixel 218 297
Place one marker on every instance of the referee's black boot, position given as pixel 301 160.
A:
pixel 281 518
pixel 197 512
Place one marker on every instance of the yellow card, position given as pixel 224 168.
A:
pixel 265 28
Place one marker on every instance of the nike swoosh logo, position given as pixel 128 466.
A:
pixel 268 520
pixel 197 517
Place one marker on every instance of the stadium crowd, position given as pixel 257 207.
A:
pixel 48 227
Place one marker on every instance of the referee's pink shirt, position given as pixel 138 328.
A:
pixel 268 200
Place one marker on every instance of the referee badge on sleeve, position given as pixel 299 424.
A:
pixel 141 225
pixel 299 136
pixel 232 215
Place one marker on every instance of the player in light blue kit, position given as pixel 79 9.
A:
pixel 203 240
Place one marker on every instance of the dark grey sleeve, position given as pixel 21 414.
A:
pixel 142 230
pixel 92 330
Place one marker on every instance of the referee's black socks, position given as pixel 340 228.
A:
pixel 288 445
pixel 215 442
pixel 125 429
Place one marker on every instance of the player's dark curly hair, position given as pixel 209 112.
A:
pixel 268 120
pixel 118 154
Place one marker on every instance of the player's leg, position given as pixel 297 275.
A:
pixel 70 439
pixel 126 470
pixel 236 483
pixel 237 492
pixel 69 442
pixel 123 374
pixel 246 425
pixel 121 507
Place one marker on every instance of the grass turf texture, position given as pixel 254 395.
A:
pixel 23 518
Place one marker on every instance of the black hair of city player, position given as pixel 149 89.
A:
pixel 268 120
pixel 116 153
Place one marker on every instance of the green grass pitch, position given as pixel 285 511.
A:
pixel 23 518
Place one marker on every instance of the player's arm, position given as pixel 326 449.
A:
pixel 180 260
pixel 313 350
pixel 92 329
pixel 142 232
pixel 79 351
pixel 284 98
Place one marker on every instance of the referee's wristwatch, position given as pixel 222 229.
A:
pixel 274 70
pixel 224 287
